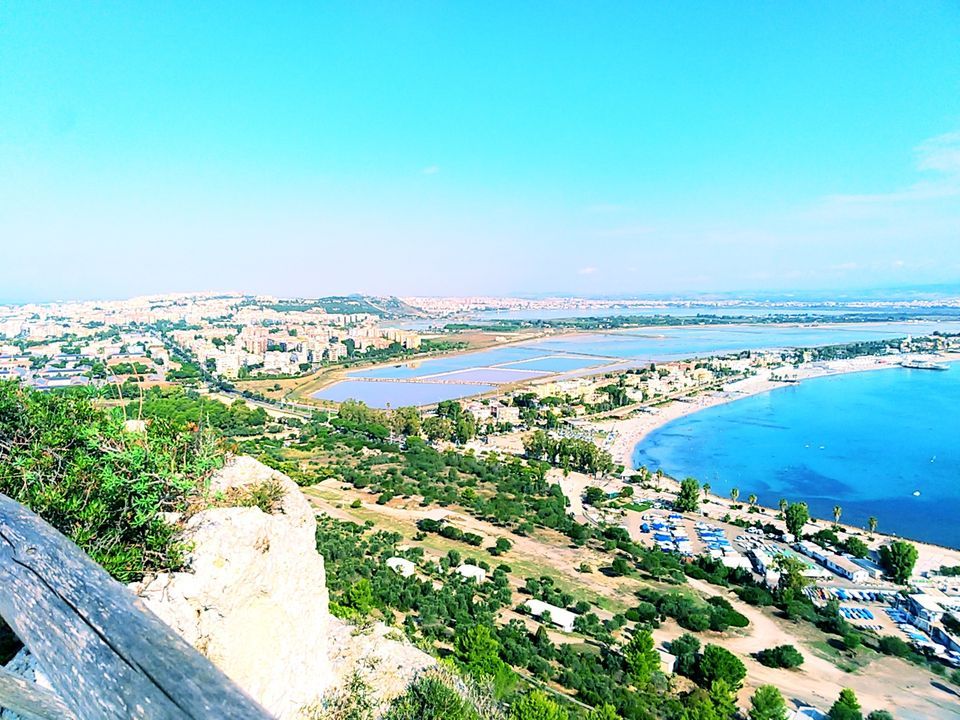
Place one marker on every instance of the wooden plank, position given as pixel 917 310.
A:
pixel 105 653
pixel 29 700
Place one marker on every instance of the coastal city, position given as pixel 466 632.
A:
pixel 590 393
pixel 479 361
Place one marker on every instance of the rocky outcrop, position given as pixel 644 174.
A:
pixel 253 596
pixel 253 599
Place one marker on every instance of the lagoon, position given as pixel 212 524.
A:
pixel 585 353
pixel 865 441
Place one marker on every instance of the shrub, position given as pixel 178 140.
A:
pixel 104 488
pixel 267 495
pixel 782 656
pixel 755 595
pixel 619 566
pixel 434 696
pixel 644 612
pixel 852 640
pixel 891 645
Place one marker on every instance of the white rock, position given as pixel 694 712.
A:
pixel 253 598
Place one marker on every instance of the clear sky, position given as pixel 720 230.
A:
pixel 477 147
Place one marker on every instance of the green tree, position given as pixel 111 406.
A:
pixel 734 494
pixel 686 649
pixel 465 428
pixel 837 513
pixel 791 571
pixel 718 663
pixel 872 523
pixel 783 505
pixel 752 499
pixel 767 704
pixel 438 428
pixel 724 698
pixel 847 707
pixel 537 706
pixel 501 546
pixel 359 596
pixel 898 559
pixel 619 567
pixel 688 499
pixel 796 515
pixel 856 547
pixel 593 495
pixel 880 715
pixel 782 656
pixel 641 658
pixel 478 649
pixel 405 421
pixel 603 712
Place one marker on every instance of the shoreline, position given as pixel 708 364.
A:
pixel 631 431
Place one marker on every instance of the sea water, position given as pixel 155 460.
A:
pixel 883 443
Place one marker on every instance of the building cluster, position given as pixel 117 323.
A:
pixel 654 381
pixel 934 612
pixel 94 359
pixel 232 335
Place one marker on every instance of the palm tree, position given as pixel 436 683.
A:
pixel 872 523
pixel 644 474
pixel 783 505
pixel 752 499
pixel 734 494
pixel 837 512
pixel 706 491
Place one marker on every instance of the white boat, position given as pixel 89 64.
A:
pixel 924 365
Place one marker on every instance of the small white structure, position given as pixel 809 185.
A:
pixel 561 617
pixel 401 566
pixel 668 662
pixel 472 572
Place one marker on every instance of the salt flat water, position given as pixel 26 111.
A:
pixel 866 441
pixel 580 351
pixel 672 343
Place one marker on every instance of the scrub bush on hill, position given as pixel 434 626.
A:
pixel 104 488
pixel 782 656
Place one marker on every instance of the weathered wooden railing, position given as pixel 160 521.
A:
pixel 106 655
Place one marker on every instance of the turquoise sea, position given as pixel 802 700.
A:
pixel 866 441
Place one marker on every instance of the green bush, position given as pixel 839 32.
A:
pixel 891 645
pixel 104 488
pixel 432 697
pixel 782 656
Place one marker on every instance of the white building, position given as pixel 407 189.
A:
pixel 401 566
pixel 472 572
pixel 561 617
pixel 844 567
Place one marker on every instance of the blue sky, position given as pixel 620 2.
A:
pixel 477 147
